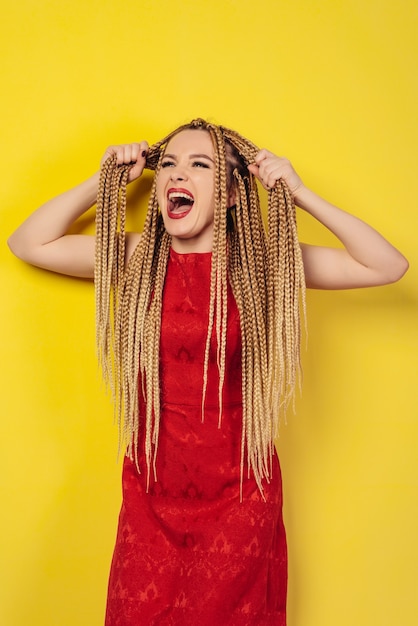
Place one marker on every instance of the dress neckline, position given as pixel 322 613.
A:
pixel 189 257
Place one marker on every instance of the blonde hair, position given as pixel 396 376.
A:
pixel 265 271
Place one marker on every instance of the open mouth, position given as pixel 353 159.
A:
pixel 179 203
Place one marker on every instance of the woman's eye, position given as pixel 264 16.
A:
pixel 167 164
pixel 200 164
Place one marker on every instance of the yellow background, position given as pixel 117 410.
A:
pixel 332 85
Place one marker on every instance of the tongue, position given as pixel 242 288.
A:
pixel 181 205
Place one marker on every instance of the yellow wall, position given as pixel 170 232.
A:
pixel 333 86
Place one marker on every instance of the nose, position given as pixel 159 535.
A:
pixel 177 173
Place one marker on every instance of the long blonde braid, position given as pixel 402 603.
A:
pixel 267 279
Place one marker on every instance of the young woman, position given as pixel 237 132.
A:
pixel 203 356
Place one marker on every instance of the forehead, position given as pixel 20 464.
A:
pixel 190 142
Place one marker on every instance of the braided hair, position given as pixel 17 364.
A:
pixel 265 271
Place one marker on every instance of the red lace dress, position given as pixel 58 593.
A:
pixel 188 552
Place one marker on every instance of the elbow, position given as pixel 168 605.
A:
pixel 20 248
pixel 16 247
pixel 13 247
pixel 397 269
pixel 404 267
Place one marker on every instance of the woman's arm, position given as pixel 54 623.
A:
pixel 367 259
pixel 42 240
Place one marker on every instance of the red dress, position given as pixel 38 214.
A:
pixel 189 552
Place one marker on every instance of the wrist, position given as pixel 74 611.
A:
pixel 90 188
pixel 301 196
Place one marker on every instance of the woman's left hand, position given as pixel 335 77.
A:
pixel 367 259
pixel 269 168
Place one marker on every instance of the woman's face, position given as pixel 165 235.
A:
pixel 185 191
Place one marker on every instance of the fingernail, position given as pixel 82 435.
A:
pixel 144 152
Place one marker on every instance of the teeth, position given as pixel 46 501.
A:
pixel 180 194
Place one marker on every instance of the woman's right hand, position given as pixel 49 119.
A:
pixel 130 153
pixel 42 239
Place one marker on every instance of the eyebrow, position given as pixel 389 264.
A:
pixel 191 156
